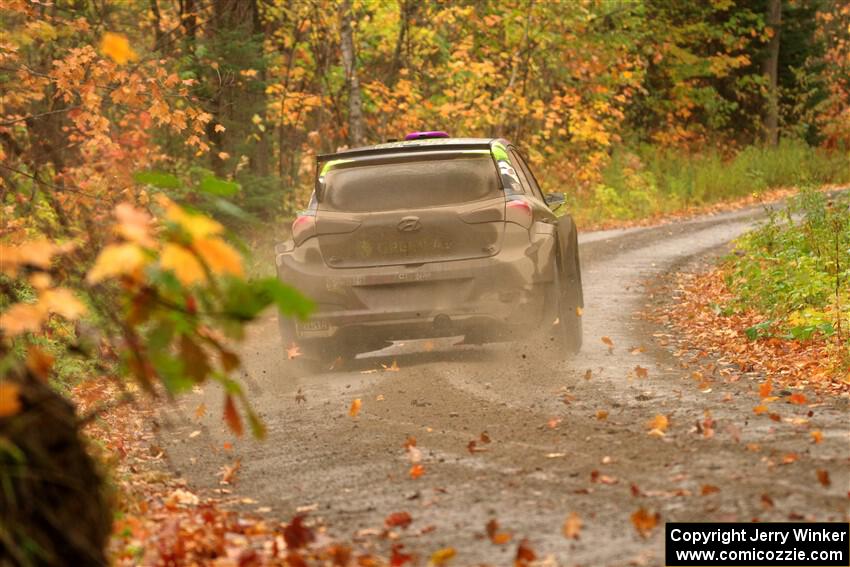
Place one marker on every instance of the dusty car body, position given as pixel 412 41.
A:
pixel 430 237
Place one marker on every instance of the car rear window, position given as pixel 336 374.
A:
pixel 410 182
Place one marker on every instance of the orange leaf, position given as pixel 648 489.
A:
pixel 497 537
pixel 765 388
pixel 644 522
pixel 416 471
pixel 641 372
pixel 293 351
pixel 231 416
pixel 183 263
pixel 10 403
pixel 609 343
pixel 601 414
pixel 798 399
pixel 442 556
pixel 658 425
pixel 708 489
pixel 817 436
pixel 823 477
pixel 760 409
pixel 524 554
pixel 398 519
pixel 39 362
pixel 572 526
pixel 355 407
pixel 219 256
pixel 116 46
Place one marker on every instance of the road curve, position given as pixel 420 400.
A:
pixel 350 473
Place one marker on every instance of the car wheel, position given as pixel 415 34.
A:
pixel 570 299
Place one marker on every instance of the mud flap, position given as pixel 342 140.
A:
pixel 570 295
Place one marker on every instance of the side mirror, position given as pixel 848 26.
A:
pixel 556 199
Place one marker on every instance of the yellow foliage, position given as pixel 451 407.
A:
pixel 117 260
pixel 22 318
pixel 219 256
pixel 198 226
pixel 116 46
pixel 10 404
pixel 183 263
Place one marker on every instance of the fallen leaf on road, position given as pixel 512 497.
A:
pixel 484 437
pixel 497 537
pixel 194 434
pixel 473 448
pixel 644 521
pixel 596 476
pixel 765 388
pixel 641 372
pixel 760 409
pixel 554 422
pixel 201 410
pixel 397 558
pixel 766 501
pixel 300 397
pixel 609 343
pixel 398 519
pixel 817 436
pixel 294 351
pixel 572 526
pixel 798 399
pixel 789 458
pixel 416 471
pixel 658 425
pixel 442 556
pixel 588 374
pixel 296 534
pixel 524 554
pixel 355 407
pixel 823 477
pixel 637 350
pixel 379 398
pixel 228 472
pixel 708 489
pixel 601 414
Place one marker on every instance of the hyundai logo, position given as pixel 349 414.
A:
pixel 409 224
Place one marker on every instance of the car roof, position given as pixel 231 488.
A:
pixel 411 146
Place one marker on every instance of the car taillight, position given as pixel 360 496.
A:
pixel 519 211
pixel 303 227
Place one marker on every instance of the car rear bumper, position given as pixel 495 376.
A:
pixel 499 294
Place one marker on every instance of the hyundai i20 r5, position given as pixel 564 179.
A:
pixel 430 237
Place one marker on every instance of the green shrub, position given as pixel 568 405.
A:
pixel 795 269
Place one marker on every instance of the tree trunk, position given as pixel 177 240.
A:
pixel 355 105
pixel 771 72
pixel 236 40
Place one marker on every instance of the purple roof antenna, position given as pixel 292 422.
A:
pixel 426 135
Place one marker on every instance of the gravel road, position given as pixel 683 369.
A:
pixel 350 473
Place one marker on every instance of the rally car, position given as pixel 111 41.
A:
pixel 432 236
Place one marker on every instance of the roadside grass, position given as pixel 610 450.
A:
pixel 795 271
pixel 647 182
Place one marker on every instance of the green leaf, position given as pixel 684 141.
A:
pixel 215 186
pixel 157 179
pixel 244 300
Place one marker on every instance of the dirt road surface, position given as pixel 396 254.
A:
pixel 350 473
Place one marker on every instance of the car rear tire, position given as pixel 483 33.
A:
pixel 568 290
